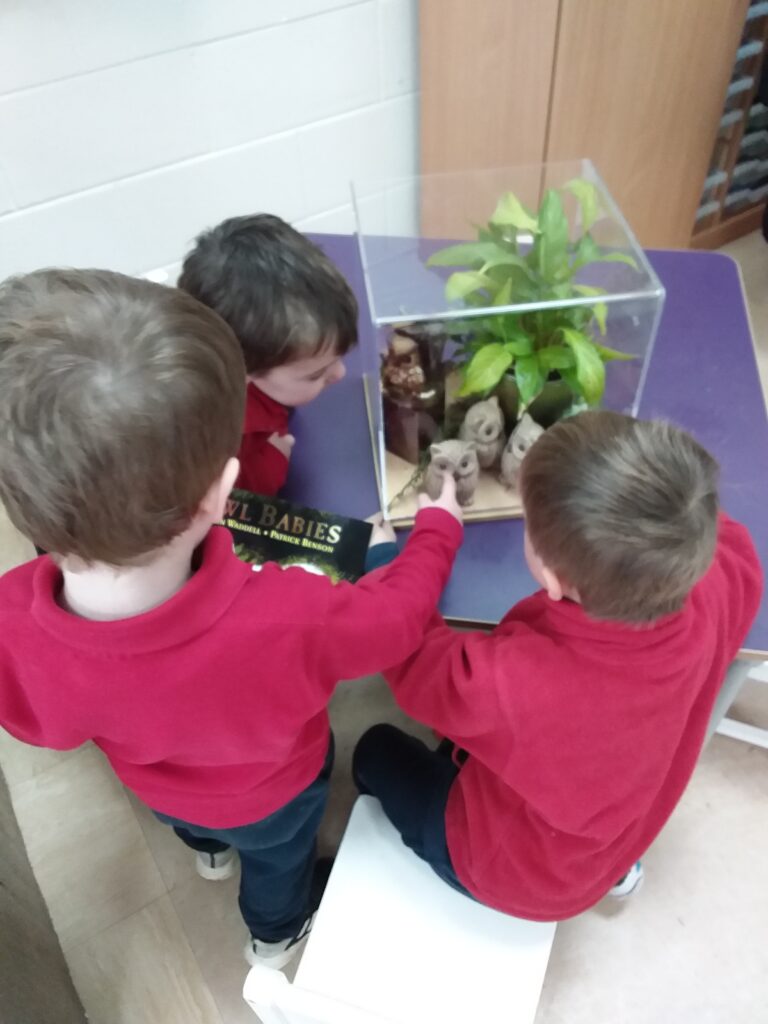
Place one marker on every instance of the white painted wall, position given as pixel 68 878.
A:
pixel 127 126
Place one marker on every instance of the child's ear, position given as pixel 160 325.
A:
pixel 230 474
pixel 214 500
pixel 556 588
pixel 553 586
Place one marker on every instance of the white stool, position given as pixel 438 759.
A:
pixel 393 944
pixel 737 675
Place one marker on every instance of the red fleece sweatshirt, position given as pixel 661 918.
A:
pixel 263 468
pixel 582 735
pixel 212 707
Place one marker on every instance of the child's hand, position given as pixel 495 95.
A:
pixel 283 442
pixel 383 532
pixel 446 500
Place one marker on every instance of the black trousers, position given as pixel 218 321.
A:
pixel 412 783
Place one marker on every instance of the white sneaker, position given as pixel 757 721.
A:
pixel 215 867
pixel 629 884
pixel 277 954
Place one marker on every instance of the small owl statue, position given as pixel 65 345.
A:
pixel 459 458
pixel 520 440
pixel 484 424
pixel 402 369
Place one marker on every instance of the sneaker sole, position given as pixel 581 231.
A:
pixel 630 892
pixel 279 960
pixel 216 874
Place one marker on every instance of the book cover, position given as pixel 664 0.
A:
pixel 274 530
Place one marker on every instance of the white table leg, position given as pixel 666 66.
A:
pixel 733 682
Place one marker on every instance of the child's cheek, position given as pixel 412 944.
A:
pixel 309 392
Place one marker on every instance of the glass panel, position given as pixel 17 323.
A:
pixel 401 222
pixel 534 316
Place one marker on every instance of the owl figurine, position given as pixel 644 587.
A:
pixel 402 369
pixel 520 440
pixel 484 424
pixel 459 458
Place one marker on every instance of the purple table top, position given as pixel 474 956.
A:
pixel 702 376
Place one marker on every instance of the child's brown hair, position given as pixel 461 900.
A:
pixel 622 510
pixel 280 294
pixel 120 403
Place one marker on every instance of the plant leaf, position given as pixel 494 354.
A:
pixel 577 317
pixel 503 296
pixel 588 251
pixel 587 289
pixel 506 259
pixel 552 243
pixel 589 201
pixel 556 357
pixel 466 253
pixel 516 339
pixel 600 309
pixel 530 379
pixel 521 280
pixel 609 355
pixel 485 369
pixel 506 238
pixel 590 371
pixel 619 257
pixel 481 336
pixel 564 290
pixel 569 376
pixel 464 282
pixel 511 213
pixel 496 327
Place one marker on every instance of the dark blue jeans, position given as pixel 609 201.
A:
pixel 412 783
pixel 277 856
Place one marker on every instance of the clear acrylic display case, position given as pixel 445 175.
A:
pixel 553 307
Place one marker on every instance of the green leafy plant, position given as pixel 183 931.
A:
pixel 525 257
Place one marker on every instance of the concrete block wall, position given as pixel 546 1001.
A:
pixel 128 127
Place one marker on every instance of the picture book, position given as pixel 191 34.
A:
pixel 274 530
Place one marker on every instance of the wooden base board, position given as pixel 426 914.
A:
pixel 491 501
pixel 730 229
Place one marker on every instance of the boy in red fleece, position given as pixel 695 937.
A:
pixel 204 684
pixel 294 315
pixel 578 721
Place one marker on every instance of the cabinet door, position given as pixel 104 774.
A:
pixel 486 74
pixel 639 87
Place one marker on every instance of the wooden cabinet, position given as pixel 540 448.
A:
pixel 736 187
pixel 635 85
pixel 486 73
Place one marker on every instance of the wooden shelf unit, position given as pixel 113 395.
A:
pixel 721 225
pixel 743 222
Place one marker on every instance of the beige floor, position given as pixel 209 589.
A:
pixel 148 942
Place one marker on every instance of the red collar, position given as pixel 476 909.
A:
pixel 262 413
pixel 188 614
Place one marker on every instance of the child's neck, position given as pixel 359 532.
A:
pixel 104 593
